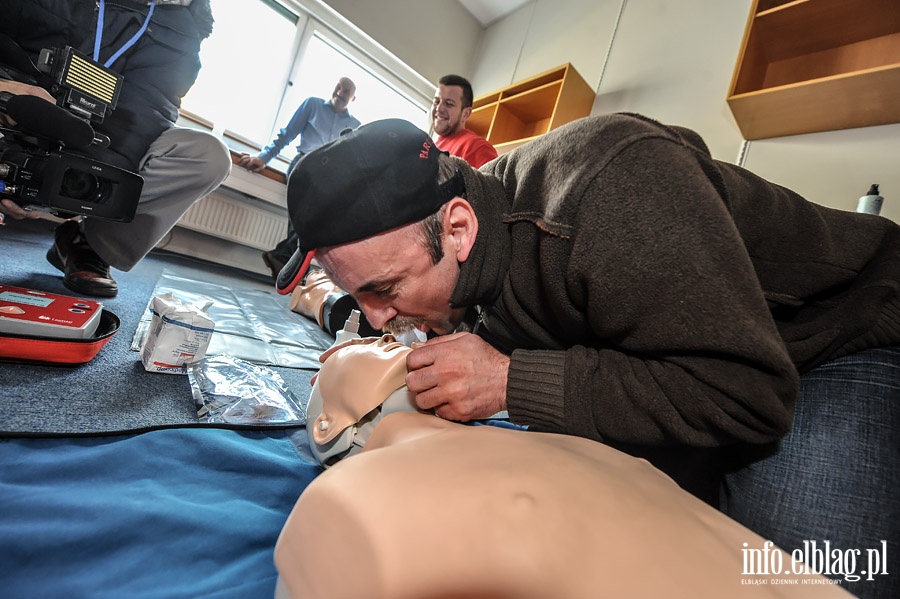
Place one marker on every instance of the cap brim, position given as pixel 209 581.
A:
pixel 293 272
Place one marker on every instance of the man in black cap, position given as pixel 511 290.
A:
pixel 612 280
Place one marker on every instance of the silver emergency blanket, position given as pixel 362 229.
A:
pixel 251 324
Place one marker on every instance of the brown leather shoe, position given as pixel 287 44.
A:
pixel 85 272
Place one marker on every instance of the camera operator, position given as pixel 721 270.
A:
pixel 155 46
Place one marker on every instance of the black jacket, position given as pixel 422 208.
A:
pixel 159 69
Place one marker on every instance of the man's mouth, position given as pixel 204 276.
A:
pixel 402 324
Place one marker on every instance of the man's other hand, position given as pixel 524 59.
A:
pixel 459 376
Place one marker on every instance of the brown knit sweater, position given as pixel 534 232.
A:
pixel 650 295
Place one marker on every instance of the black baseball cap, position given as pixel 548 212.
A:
pixel 378 177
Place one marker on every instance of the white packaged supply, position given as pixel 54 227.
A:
pixel 179 334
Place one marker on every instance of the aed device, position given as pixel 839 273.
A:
pixel 41 314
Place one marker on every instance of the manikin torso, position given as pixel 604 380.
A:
pixel 435 509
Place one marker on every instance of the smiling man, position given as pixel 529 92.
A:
pixel 702 328
pixel 450 110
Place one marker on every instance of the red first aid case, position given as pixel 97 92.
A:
pixel 37 326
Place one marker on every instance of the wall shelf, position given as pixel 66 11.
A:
pixel 817 65
pixel 529 108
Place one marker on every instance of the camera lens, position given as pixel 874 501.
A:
pixel 84 187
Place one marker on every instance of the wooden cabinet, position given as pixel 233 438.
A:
pixel 522 111
pixel 817 65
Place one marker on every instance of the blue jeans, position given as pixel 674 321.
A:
pixel 836 475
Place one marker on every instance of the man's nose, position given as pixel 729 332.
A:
pixel 377 316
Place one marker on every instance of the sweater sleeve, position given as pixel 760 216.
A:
pixel 680 346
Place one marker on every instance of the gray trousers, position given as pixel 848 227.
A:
pixel 180 167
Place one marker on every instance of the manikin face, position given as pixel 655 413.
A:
pixel 344 93
pixel 447 113
pixel 395 282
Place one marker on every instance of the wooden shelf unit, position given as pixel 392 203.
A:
pixel 817 65
pixel 529 108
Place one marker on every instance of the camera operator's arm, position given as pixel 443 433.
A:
pixel 14 87
pixel 8 207
pixel 13 210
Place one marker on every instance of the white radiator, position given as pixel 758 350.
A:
pixel 243 220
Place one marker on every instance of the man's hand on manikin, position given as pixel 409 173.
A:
pixel 459 376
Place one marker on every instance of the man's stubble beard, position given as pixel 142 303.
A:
pixel 402 324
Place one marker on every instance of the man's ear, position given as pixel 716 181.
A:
pixel 465 114
pixel 461 224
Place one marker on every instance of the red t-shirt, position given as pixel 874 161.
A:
pixel 469 146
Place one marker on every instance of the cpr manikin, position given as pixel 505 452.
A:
pixel 430 508
pixel 356 387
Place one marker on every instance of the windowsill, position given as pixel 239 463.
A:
pixel 236 143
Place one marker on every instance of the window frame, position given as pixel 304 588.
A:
pixel 312 16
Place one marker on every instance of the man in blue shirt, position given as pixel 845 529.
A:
pixel 317 122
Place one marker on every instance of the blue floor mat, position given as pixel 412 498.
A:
pixel 165 514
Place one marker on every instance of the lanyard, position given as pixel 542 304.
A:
pixel 127 44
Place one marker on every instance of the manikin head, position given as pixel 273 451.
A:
pixel 452 105
pixel 356 387
pixel 384 212
pixel 344 93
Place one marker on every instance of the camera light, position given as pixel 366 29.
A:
pixel 91 78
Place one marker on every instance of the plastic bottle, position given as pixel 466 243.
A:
pixel 350 330
pixel 871 202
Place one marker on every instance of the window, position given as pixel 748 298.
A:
pixel 264 58
pixel 242 79
pixel 317 73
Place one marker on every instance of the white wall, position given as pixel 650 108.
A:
pixel 543 35
pixel 434 37
pixel 668 59
pixel 673 60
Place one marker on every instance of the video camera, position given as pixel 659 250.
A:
pixel 42 158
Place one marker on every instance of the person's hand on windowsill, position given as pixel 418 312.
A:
pixel 251 163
